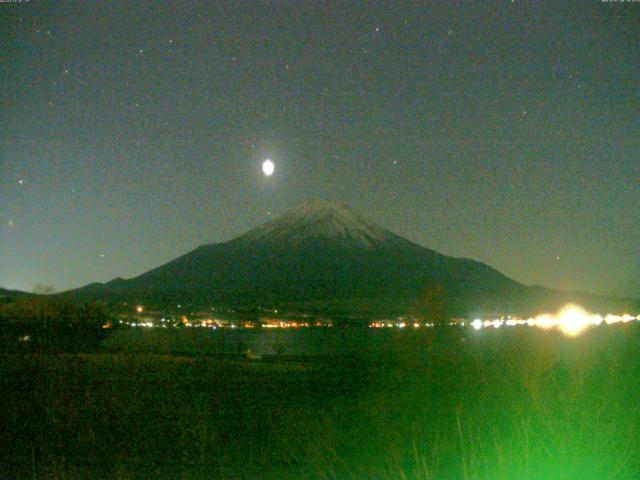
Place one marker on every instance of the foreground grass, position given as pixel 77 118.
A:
pixel 520 404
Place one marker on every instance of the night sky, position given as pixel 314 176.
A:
pixel 132 132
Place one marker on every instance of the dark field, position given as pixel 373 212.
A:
pixel 496 404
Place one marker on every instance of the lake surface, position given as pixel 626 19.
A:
pixel 290 342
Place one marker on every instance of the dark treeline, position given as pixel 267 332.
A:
pixel 40 324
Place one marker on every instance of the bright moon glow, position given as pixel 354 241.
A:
pixel 268 167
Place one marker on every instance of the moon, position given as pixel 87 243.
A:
pixel 268 167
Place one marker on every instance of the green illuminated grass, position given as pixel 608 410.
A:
pixel 518 404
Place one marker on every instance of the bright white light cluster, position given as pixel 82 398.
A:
pixel 571 320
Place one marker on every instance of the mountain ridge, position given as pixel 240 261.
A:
pixel 323 255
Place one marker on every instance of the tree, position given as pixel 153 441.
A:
pixel 432 306
pixel 43 289
pixel 51 324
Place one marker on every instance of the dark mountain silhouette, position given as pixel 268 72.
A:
pixel 323 256
pixel 8 295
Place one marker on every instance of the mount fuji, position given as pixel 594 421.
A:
pixel 323 256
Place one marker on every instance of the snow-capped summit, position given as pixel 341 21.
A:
pixel 317 220
pixel 323 255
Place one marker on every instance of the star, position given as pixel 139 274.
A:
pixel 21 182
